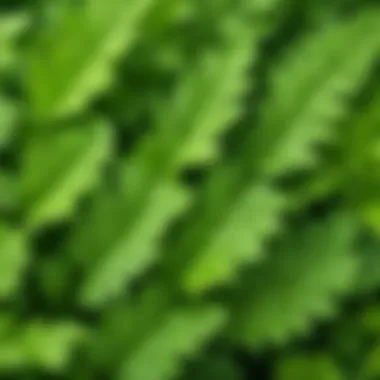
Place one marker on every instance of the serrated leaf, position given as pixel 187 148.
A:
pixel 282 142
pixel 154 330
pixel 128 246
pixel 178 337
pixel 205 105
pixel 219 247
pixel 187 132
pixel 297 284
pixel 75 60
pixel 57 169
pixel 309 93
pixel 123 326
pixel 241 233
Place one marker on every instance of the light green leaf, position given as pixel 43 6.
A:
pixel 75 58
pixel 219 239
pixel 11 27
pixel 50 346
pixel 309 93
pixel 209 100
pixel 186 132
pixel 58 169
pixel 42 345
pixel 121 251
pixel 177 338
pixel 226 233
pixel 13 261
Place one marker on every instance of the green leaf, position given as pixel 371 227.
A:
pixel 361 148
pixel 51 346
pixel 369 274
pixel 8 118
pixel 298 283
pixel 170 172
pixel 178 337
pixel 123 326
pixel 204 104
pixel 8 192
pixel 309 93
pixel 154 330
pixel 11 356
pixel 42 345
pixel 226 231
pixel 11 27
pixel 186 132
pixel 75 58
pixel 371 365
pixel 13 261
pixel 58 169
pixel 115 254
pixel 221 237
pixel 300 367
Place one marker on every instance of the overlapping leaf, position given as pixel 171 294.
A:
pixel 310 92
pixel 153 330
pixel 180 336
pixel 186 132
pixel 233 220
pixel 138 214
pixel 298 283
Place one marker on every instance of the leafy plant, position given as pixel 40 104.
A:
pixel 189 189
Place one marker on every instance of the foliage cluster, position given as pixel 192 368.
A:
pixel 190 189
